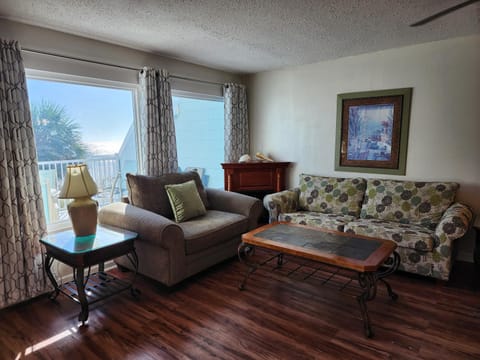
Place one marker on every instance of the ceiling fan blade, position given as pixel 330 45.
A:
pixel 444 12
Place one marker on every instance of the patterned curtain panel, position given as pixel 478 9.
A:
pixel 237 136
pixel 22 220
pixel 159 146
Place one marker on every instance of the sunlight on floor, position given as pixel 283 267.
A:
pixel 45 343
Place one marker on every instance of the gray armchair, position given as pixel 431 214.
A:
pixel 170 252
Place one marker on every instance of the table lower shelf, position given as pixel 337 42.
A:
pixel 99 286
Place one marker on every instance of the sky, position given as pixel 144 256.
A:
pixel 106 114
pixel 103 114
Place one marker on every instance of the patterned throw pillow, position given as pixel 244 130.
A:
pixel 331 195
pixel 408 202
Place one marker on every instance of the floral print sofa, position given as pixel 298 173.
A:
pixel 421 217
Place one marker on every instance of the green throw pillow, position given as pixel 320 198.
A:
pixel 185 201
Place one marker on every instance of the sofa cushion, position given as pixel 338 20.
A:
pixel 405 235
pixel 331 195
pixel 148 192
pixel 185 201
pixel 408 202
pixel 213 228
pixel 326 221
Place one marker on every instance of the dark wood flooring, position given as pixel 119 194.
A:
pixel 276 317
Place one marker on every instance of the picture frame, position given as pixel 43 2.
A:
pixel 372 131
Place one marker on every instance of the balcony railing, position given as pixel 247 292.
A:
pixel 105 170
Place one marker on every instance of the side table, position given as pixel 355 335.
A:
pixel 83 252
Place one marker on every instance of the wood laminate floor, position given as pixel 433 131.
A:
pixel 276 317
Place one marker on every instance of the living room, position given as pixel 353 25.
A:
pixel 292 117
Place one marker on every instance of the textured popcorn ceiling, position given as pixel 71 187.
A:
pixel 247 36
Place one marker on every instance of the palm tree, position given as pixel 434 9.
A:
pixel 57 136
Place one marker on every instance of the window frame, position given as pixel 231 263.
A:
pixel 199 96
pixel 89 81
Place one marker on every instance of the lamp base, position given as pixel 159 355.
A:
pixel 83 214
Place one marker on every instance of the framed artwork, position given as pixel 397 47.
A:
pixel 372 131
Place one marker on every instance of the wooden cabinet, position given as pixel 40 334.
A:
pixel 255 177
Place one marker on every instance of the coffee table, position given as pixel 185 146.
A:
pixel 83 252
pixel 371 259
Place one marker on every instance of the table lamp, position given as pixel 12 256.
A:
pixel 79 186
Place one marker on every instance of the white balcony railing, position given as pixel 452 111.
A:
pixel 105 170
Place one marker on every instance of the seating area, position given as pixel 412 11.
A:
pixel 421 217
pixel 239 180
pixel 171 251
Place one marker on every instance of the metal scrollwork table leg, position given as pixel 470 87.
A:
pixel 48 269
pixel 245 251
pixel 368 282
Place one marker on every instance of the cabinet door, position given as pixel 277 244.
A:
pixel 256 179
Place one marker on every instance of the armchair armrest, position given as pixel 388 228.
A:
pixel 454 223
pixel 281 202
pixel 236 203
pixel 148 225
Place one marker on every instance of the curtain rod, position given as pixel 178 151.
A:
pixel 113 65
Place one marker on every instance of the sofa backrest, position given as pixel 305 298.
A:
pixel 331 195
pixel 409 202
pixel 148 192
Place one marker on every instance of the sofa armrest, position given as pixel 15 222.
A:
pixel 454 223
pixel 148 225
pixel 236 203
pixel 281 202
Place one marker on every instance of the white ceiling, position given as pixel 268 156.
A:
pixel 248 36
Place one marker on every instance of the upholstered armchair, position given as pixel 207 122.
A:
pixel 171 251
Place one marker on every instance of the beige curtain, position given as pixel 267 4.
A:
pixel 157 129
pixel 22 220
pixel 237 136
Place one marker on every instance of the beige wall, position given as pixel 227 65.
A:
pixel 293 112
pixel 32 37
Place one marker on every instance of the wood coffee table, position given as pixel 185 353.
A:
pixel 370 258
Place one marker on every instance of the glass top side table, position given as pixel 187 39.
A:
pixel 83 252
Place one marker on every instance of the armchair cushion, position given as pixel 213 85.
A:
pixel 331 195
pixel 214 228
pixel 148 192
pixel 185 201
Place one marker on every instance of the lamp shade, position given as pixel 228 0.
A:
pixel 78 183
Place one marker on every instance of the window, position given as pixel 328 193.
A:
pixel 78 120
pixel 199 128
